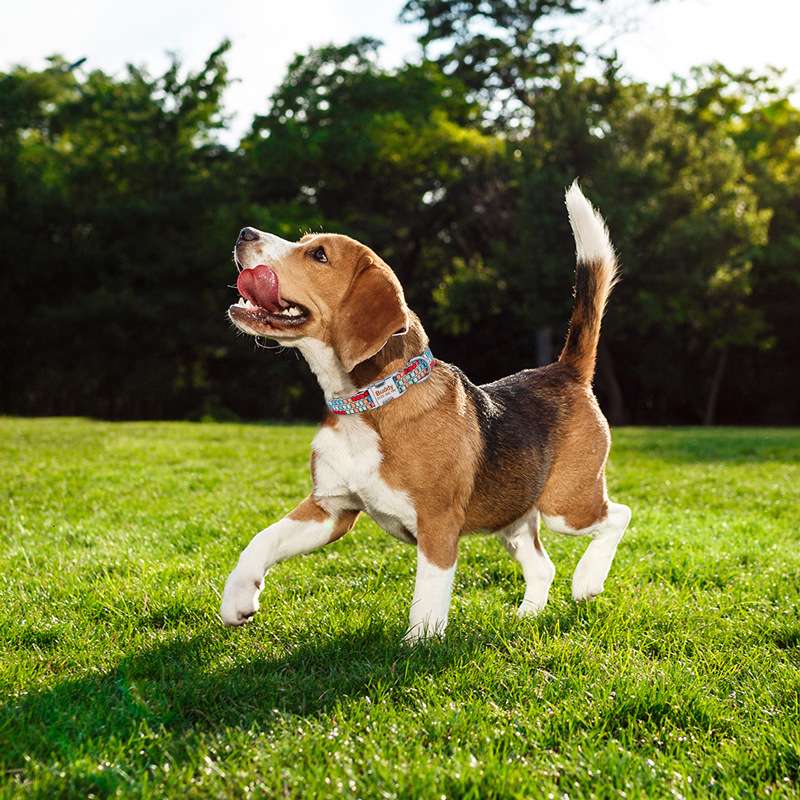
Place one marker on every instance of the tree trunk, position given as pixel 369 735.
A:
pixel 716 383
pixel 544 346
pixel 616 411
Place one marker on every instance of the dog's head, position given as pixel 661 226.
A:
pixel 326 286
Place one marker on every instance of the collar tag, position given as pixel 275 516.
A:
pixel 384 391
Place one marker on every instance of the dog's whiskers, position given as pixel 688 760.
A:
pixel 257 340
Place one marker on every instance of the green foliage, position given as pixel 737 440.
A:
pixel 380 155
pixel 757 114
pixel 467 296
pixel 116 676
pixel 113 220
pixel 118 206
pixel 504 52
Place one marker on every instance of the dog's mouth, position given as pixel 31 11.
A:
pixel 260 301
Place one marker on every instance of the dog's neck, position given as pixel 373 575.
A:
pixel 325 364
pixel 395 354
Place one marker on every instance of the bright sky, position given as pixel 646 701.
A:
pixel 670 37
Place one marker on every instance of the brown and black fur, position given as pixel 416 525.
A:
pixel 542 422
pixel 539 438
pixel 470 457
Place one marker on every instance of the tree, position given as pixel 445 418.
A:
pixel 503 51
pixel 118 208
pixel 392 157
pixel 682 216
pixel 114 192
pixel 757 115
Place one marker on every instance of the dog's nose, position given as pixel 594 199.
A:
pixel 248 235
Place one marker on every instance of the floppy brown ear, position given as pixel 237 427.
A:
pixel 372 310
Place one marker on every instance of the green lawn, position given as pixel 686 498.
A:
pixel 116 675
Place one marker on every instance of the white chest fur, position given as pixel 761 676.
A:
pixel 347 475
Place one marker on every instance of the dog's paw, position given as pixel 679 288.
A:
pixel 530 607
pixel 587 583
pixel 416 635
pixel 240 598
pixel 424 631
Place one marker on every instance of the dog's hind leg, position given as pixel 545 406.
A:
pixel 523 540
pixel 593 568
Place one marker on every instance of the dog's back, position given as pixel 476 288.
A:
pixel 544 439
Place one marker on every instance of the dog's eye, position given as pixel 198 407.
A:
pixel 319 255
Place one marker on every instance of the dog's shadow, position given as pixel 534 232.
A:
pixel 179 686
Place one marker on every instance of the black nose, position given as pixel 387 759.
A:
pixel 248 235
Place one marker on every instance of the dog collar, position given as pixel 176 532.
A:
pixel 377 394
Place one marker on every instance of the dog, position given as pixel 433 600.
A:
pixel 411 442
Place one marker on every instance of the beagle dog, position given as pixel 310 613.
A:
pixel 412 442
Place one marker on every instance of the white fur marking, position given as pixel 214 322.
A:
pixel 270 247
pixel 560 525
pixel 283 539
pixel 590 575
pixel 537 568
pixel 325 364
pixel 431 605
pixel 592 242
pixel 347 475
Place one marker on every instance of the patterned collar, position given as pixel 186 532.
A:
pixel 417 370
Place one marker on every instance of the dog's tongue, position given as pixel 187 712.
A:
pixel 259 285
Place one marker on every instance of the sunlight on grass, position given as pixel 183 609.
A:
pixel 117 676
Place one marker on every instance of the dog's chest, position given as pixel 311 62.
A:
pixel 347 459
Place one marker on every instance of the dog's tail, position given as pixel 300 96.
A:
pixel 595 276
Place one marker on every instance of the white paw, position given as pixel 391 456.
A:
pixel 530 606
pixel 587 582
pixel 425 630
pixel 240 598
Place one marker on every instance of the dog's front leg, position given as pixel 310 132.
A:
pixel 437 552
pixel 306 528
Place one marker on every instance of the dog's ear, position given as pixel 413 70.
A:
pixel 373 309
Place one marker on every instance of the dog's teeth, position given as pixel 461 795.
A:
pixel 289 311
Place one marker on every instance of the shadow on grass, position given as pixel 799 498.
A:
pixel 175 686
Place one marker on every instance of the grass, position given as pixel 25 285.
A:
pixel 116 676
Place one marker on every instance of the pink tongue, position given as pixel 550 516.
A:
pixel 259 285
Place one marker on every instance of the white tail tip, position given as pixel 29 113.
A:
pixel 592 242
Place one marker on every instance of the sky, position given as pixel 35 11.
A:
pixel 656 40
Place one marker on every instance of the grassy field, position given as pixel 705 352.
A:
pixel 116 675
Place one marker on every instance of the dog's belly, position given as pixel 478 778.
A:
pixel 347 461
